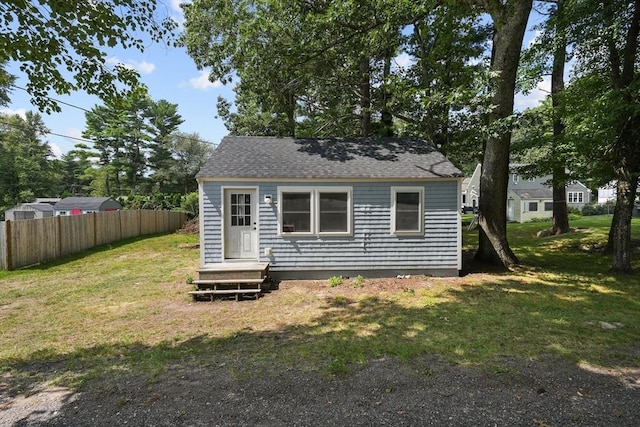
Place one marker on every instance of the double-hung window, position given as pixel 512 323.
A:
pixel 407 210
pixel 315 211
pixel 575 196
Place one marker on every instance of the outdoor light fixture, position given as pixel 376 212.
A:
pixel 268 199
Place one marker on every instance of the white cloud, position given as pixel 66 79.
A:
pixel 403 60
pixel 202 82
pixel 178 14
pixel 22 112
pixel 534 38
pixel 57 152
pixel 143 67
pixel 535 97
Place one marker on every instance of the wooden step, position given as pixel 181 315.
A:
pixel 213 292
pixel 232 270
pixel 226 281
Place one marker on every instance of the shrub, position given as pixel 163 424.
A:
pixel 335 281
pixel 596 209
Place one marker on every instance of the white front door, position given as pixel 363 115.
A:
pixel 511 210
pixel 241 224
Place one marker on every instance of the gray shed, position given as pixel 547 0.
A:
pixel 83 205
pixel 315 208
pixel 29 211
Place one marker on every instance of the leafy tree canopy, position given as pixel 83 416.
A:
pixel 60 45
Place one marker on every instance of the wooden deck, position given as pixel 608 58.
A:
pixel 230 279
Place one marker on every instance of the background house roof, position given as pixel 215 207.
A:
pixel 83 203
pixel 43 207
pixel 270 157
pixel 541 193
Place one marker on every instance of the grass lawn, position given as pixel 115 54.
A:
pixel 125 308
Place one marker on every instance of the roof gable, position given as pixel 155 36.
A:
pixel 341 158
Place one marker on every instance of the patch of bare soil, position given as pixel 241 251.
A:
pixel 383 392
pixel 425 392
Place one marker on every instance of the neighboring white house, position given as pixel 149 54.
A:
pixel 471 191
pixel 532 198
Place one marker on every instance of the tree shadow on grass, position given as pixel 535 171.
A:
pixel 468 341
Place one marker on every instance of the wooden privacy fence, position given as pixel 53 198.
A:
pixel 32 241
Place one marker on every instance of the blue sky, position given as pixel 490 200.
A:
pixel 170 74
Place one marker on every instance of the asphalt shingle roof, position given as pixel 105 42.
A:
pixel 347 158
pixel 84 203
pixel 542 193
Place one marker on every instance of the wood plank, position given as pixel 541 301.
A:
pixel 226 281
pixel 225 291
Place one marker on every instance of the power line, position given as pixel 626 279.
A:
pixel 92 112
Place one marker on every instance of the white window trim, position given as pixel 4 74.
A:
pixel 577 196
pixel 315 210
pixel 420 191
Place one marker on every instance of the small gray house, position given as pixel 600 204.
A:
pixel 84 205
pixel 316 208
pixel 29 211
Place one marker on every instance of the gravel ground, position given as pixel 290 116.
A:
pixel 383 392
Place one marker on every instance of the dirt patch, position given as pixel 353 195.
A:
pixel 384 391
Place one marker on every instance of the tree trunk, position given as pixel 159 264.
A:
pixel 510 22
pixel 386 119
pixel 365 98
pixel 621 232
pixel 627 147
pixel 560 223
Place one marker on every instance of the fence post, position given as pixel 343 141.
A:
pixel 9 247
pixel 58 228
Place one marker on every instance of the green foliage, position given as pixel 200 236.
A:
pixel 335 281
pixel 359 281
pixel 27 170
pixel 190 205
pixel 6 81
pixel 598 209
pixel 327 69
pixel 155 201
pixel 137 139
pixel 61 44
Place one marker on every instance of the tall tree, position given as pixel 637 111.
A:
pixel 547 55
pixel 189 153
pixel 54 39
pixel 6 82
pixel 607 85
pixel 509 25
pixel 26 171
pixel 164 121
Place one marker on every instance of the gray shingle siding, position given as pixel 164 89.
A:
pixel 371 247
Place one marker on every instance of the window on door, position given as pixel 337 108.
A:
pixel 240 209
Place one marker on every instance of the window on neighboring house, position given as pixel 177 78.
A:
pixel 533 206
pixel 407 210
pixel 575 197
pixel 548 206
pixel 315 211
pixel 515 178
